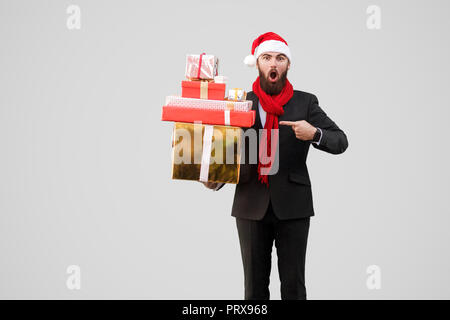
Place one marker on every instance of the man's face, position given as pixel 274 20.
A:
pixel 272 67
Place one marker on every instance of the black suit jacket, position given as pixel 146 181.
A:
pixel 290 188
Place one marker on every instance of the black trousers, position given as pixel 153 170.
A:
pixel 256 239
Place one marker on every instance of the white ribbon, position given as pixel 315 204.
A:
pixel 206 153
pixel 227 120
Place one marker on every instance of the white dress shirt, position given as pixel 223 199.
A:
pixel 262 114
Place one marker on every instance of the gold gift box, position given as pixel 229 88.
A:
pixel 219 163
pixel 237 94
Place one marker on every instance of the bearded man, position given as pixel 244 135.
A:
pixel 276 207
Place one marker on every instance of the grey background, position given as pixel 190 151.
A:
pixel 85 160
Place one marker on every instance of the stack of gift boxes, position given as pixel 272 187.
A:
pixel 206 141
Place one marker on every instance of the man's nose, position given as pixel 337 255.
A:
pixel 273 63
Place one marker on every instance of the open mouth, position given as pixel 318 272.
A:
pixel 273 75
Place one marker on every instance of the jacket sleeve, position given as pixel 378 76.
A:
pixel 333 139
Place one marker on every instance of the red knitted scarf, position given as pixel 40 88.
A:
pixel 273 105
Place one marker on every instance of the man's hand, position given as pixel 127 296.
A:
pixel 303 129
pixel 210 185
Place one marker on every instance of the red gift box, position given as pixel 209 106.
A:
pixel 243 119
pixel 203 90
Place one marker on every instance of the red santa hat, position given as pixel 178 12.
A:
pixel 267 42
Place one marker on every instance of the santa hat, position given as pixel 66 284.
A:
pixel 267 42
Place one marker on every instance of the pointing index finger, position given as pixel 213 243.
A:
pixel 287 123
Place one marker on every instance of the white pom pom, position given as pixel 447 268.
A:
pixel 250 60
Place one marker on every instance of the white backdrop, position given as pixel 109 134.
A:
pixel 85 160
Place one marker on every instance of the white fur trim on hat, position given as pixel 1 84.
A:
pixel 275 46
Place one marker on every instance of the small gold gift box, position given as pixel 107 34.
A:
pixel 206 153
pixel 237 94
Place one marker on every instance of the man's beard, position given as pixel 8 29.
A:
pixel 272 88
